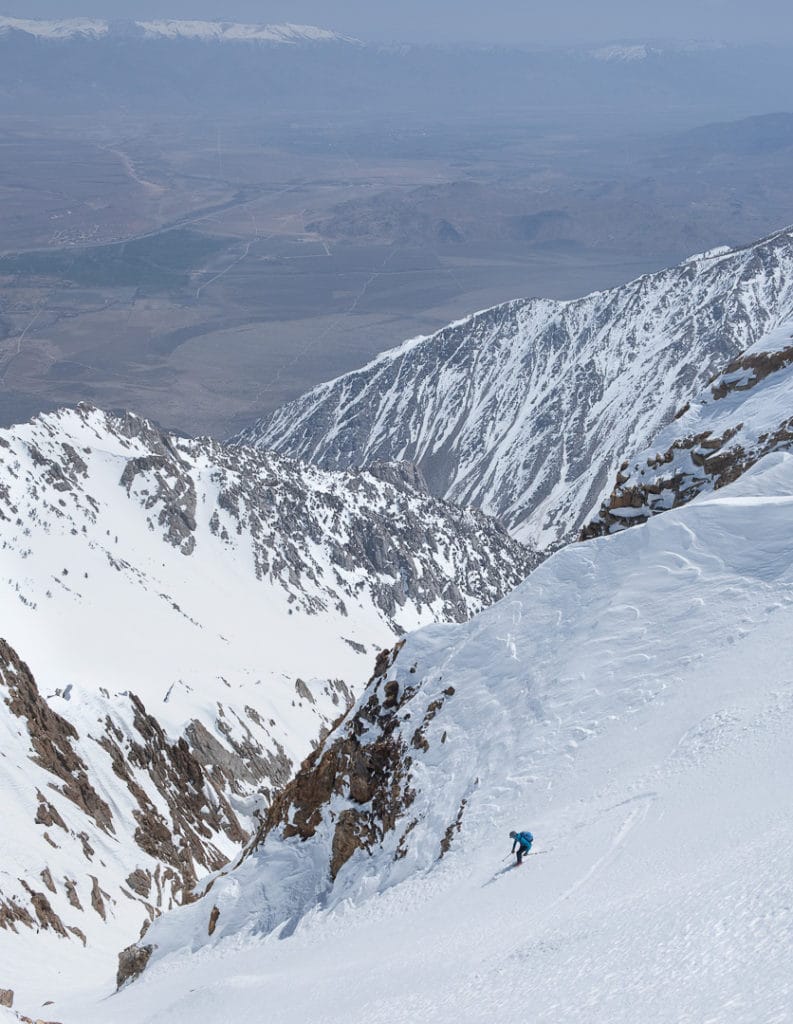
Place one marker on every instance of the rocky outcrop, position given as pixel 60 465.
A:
pixel 367 764
pixel 743 414
pixel 360 781
pixel 52 740
pixel 132 963
pixel 157 480
pixel 175 806
pixel 182 841
pixel 358 795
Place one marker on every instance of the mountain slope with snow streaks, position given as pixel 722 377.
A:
pixel 526 410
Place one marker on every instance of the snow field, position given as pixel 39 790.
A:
pixel 632 704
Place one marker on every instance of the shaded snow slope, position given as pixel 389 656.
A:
pixel 193 616
pixel 632 704
pixel 744 413
pixel 526 410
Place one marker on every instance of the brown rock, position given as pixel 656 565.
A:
pixel 132 963
pixel 97 901
pixel 47 917
pixel 391 692
pixel 12 914
pixel 51 738
pixel 214 914
pixel 353 832
pixel 7 997
pixel 140 882
pixel 373 774
pixel 71 893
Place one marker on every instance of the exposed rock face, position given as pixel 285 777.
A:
pixel 353 796
pixel 365 763
pixel 371 772
pixel 132 963
pixel 51 737
pixel 744 413
pixel 177 806
pixel 526 410
pixel 6 997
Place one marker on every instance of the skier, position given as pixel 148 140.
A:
pixel 523 841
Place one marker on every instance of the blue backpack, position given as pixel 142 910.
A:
pixel 525 839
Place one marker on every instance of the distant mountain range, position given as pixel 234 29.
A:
pixel 209 31
pixel 81 64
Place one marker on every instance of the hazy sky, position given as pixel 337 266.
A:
pixel 460 20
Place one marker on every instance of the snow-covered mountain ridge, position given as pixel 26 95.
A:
pixel 193 617
pixel 744 413
pixel 651 767
pixel 208 31
pixel 527 409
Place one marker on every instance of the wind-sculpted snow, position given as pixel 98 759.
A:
pixel 194 618
pixel 743 414
pixel 628 704
pixel 527 409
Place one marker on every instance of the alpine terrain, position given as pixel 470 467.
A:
pixel 182 622
pixel 631 703
pixel 744 413
pixel 527 409
pixel 275 711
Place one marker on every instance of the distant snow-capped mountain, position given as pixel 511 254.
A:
pixel 526 410
pixel 743 414
pixel 66 28
pixel 183 621
pixel 223 31
pixel 209 31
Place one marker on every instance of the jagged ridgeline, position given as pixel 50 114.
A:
pixel 527 409
pixel 193 617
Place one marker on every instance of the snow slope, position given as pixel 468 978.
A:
pixel 744 413
pixel 193 617
pixel 526 410
pixel 632 704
